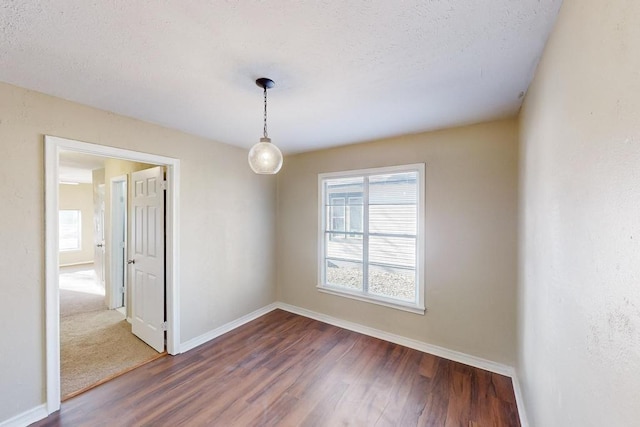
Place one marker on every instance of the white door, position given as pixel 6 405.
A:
pixel 98 234
pixel 146 256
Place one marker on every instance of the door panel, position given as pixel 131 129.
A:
pixel 147 257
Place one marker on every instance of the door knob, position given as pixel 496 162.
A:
pixel 99 245
pixel 131 261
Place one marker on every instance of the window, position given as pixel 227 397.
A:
pixel 370 235
pixel 70 230
pixel 337 214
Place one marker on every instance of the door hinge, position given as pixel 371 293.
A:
pixel 121 290
pixel 163 326
pixel 163 185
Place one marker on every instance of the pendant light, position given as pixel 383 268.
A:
pixel 264 157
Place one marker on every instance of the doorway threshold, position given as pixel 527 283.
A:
pixel 109 378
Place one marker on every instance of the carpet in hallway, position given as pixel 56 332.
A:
pixel 95 343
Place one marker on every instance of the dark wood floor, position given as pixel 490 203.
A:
pixel 287 370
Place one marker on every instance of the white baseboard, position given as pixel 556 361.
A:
pixel 208 336
pixel 453 355
pixel 524 421
pixel 445 353
pixel 27 417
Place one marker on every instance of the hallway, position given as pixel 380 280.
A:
pixel 95 343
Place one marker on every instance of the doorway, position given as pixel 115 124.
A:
pixel 53 147
pixel 97 342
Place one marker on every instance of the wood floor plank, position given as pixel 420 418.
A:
pixel 460 404
pixel 437 397
pixel 286 370
pixel 428 364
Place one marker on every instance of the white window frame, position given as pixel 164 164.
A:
pixel 79 247
pixel 417 306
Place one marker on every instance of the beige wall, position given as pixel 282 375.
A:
pixel 579 350
pixel 79 197
pixel 227 228
pixel 471 236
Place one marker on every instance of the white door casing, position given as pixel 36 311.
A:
pixel 146 256
pixel 53 146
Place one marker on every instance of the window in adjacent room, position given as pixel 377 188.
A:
pixel 70 230
pixel 371 235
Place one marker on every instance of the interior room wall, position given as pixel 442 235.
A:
pixel 471 236
pixel 79 197
pixel 579 350
pixel 227 228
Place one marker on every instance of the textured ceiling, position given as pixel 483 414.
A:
pixel 344 71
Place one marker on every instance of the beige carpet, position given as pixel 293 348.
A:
pixel 76 302
pixel 95 343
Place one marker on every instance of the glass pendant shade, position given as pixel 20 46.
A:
pixel 265 158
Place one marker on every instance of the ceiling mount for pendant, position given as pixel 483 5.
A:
pixel 264 157
pixel 265 83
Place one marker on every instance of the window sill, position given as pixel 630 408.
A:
pixel 386 302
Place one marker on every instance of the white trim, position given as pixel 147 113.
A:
pixel 27 417
pixel 227 327
pixel 172 244
pixel 53 147
pixel 373 299
pixel 52 291
pixel 372 171
pixel 517 389
pixel 456 356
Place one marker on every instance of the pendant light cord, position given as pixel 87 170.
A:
pixel 265 112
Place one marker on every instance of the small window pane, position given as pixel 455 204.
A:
pixel 336 213
pixel 393 219
pixel 342 188
pixel 337 224
pixel 70 230
pixel 393 189
pixel 344 274
pixel 355 214
pixel 340 246
pixel 400 251
pixel 333 222
pixel 393 283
